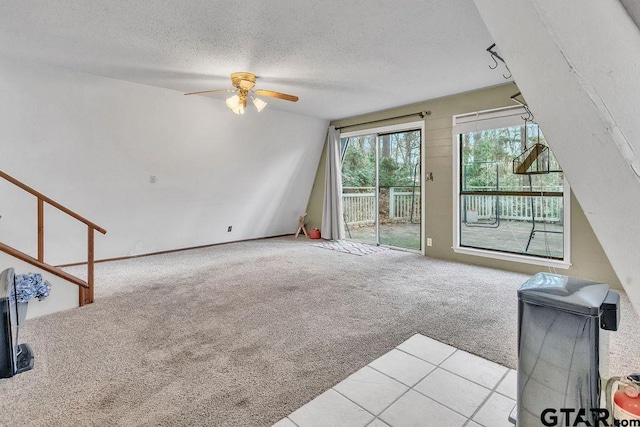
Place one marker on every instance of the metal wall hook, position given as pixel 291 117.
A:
pixel 496 57
pixel 529 117
pixel 495 62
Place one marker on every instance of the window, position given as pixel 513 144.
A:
pixel 510 190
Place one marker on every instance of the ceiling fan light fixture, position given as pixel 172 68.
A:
pixel 244 83
pixel 259 103
pixel 233 102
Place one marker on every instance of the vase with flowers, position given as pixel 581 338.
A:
pixel 26 287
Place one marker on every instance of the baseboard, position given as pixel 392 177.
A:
pixel 171 251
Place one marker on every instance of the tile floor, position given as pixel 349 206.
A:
pixel 422 382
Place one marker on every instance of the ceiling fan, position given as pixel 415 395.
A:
pixel 243 82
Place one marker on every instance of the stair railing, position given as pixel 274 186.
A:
pixel 85 289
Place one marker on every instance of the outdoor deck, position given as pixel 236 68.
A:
pixel 401 235
pixel 511 236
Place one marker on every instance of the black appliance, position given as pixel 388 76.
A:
pixel 14 358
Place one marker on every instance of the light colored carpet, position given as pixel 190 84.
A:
pixel 243 334
pixel 349 247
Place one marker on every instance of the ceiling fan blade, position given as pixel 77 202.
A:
pixel 209 91
pixel 278 95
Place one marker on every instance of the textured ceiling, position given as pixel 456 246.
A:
pixel 342 58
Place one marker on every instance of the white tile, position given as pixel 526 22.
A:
pixel 378 423
pixel 331 409
pixel 474 368
pixel 509 385
pixel 414 409
pixel 371 389
pixel 495 412
pixel 285 422
pixel 472 424
pixel 403 367
pixel 452 391
pixel 427 349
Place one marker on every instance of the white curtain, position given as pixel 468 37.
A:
pixel 332 223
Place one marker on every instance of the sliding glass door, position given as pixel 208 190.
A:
pixel 382 193
pixel 359 188
pixel 399 189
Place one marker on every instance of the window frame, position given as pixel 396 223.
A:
pixel 500 116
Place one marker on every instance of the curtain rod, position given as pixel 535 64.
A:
pixel 422 115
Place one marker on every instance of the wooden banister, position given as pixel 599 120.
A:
pixel 53 203
pixel 51 269
pixel 85 291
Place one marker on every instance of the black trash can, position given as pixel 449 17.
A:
pixel 563 345
pixel 14 358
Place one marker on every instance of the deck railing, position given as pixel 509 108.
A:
pixel 359 208
pixel 358 204
pixel 516 208
pixel 85 289
pixel 544 203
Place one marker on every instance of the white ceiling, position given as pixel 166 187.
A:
pixel 342 58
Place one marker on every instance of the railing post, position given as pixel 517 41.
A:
pixel 392 202
pixel 90 260
pixel 86 295
pixel 40 230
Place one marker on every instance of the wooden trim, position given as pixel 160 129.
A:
pixel 53 203
pixel 85 290
pixel 122 258
pixel 40 230
pixel 51 269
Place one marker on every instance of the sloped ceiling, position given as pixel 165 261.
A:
pixel 633 9
pixel 579 75
pixel 342 58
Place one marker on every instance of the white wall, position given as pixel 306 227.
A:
pixel 576 63
pixel 91 143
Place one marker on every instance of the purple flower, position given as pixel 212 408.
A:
pixel 30 285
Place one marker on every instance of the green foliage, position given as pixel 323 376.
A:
pixel 399 157
pixel 358 165
pixel 487 160
pixel 388 169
